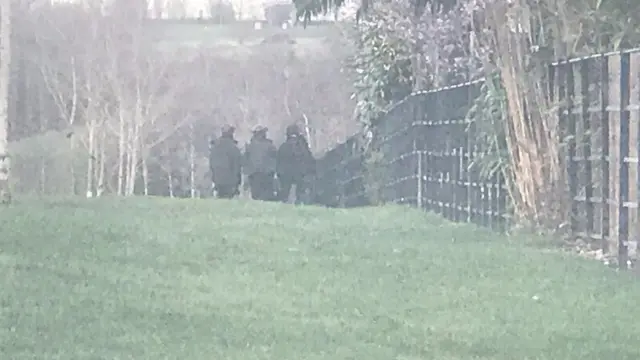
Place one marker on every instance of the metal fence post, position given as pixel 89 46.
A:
pixel 604 159
pixel 623 210
pixel 586 146
pixel 572 170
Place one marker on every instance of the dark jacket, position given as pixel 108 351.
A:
pixel 294 159
pixel 260 156
pixel 225 162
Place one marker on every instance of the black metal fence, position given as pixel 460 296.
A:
pixel 427 143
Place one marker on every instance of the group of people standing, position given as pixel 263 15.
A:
pixel 270 172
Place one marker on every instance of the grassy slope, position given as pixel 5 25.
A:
pixel 211 35
pixel 168 279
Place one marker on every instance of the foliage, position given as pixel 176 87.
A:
pixel 486 120
pixel 578 27
pixel 42 165
pixel 397 52
pixel 569 27
pixel 307 9
pixel 382 61
pixel 518 40
pixel 247 280
pixel 277 14
pixel 159 96
pixel 47 165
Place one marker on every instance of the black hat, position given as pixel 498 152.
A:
pixel 227 129
pixel 293 130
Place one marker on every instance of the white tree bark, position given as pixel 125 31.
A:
pixel 308 132
pixel 192 161
pixel 65 93
pixel 91 127
pixel 5 68
pixel 102 163
pixel 145 174
pixel 71 120
pixel 44 119
pixel 170 178
pixel 121 152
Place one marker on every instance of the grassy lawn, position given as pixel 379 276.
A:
pixel 219 280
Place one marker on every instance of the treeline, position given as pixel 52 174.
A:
pixel 96 106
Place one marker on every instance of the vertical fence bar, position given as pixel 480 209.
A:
pixel 636 232
pixel 484 200
pixel 425 107
pixel 604 160
pixel 416 123
pixel 561 92
pixel 418 152
pixel 634 122
pixel 586 123
pixel 466 157
pixel 572 169
pixel 461 188
pixel 439 153
pixel 552 71
pixel 455 175
pixel 623 210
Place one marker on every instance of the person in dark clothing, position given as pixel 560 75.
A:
pixel 225 163
pixel 295 164
pixel 260 165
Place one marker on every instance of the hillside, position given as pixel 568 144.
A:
pixel 316 40
pixel 170 279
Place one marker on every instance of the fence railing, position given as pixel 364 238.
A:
pixel 427 144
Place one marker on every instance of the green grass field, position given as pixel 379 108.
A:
pixel 222 280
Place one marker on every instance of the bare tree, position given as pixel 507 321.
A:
pixel 159 8
pixel 139 117
pixel 117 94
pixel 59 89
pixel 276 84
pixel 176 9
pixel 144 96
pixel 5 64
pixel 70 65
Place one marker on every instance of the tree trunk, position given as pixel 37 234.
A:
pixel 91 160
pixel 307 130
pixel 145 174
pixel 133 157
pixel 5 68
pixel 192 162
pixel 170 177
pixel 102 162
pixel 44 125
pixel 72 169
pixel 121 154
pixel 71 120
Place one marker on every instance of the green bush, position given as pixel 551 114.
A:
pixel 45 165
pixel 277 14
